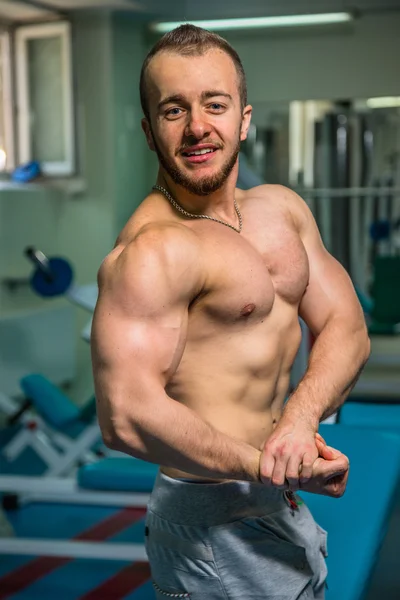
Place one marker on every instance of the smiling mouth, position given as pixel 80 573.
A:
pixel 200 152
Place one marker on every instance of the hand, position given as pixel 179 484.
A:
pixel 330 472
pixel 289 452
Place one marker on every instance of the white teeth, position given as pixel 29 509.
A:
pixel 198 152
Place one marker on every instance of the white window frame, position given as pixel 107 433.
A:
pixel 7 100
pixel 22 37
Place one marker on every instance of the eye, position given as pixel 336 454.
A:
pixel 216 106
pixel 173 112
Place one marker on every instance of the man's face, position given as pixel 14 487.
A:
pixel 196 119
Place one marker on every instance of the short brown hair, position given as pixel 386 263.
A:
pixel 189 40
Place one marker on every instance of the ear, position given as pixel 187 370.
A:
pixel 148 133
pixel 246 118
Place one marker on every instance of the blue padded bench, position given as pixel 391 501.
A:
pixel 371 414
pixel 50 402
pixel 356 523
pixel 55 407
pixel 118 474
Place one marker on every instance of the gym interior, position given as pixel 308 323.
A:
pixel 323 80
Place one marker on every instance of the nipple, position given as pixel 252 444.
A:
pixel 247 310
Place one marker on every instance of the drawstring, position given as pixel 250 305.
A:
pixel 291 499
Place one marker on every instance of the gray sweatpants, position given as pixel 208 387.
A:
pixel 232 541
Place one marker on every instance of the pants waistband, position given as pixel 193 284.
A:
pixel 208 504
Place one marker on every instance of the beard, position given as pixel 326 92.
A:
pixel 205 185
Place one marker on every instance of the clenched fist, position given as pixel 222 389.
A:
pixel 289 454
pixel 297 458
pixel 330 472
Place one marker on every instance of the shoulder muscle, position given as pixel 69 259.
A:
pixel 161 265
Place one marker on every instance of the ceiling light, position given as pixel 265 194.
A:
pixel 260 22
pixel 384 102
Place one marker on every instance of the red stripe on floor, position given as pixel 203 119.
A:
pixel 24 576
pixel 122 583
pixel 113 525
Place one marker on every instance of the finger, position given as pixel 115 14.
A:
pixel 328 453
pixel 336 467
pixel 319 437
pixel 279 473
pixel 325 451
pixel 336 486
pixel 293 470
pixel 267 464
pixel 307 468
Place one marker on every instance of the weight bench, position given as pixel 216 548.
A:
pixel 59 432
pixel 356 523
pixel 110 481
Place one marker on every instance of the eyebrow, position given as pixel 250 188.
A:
pixel 179 98
pixel 212 93
pixel 170 99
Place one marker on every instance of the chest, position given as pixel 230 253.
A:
pixel 248 273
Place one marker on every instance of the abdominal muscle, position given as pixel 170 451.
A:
pixel 239 391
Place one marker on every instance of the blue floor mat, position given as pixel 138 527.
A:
pixel 75 578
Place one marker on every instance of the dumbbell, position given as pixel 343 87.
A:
pixel 55 277
pixel 52 276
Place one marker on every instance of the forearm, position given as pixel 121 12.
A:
pixel 168 433
pixel 335 363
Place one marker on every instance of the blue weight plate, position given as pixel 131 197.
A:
pixel 60 281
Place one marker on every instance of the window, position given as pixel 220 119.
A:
pixel 6 106
pixel 45 124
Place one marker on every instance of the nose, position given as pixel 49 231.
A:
pixel 197 125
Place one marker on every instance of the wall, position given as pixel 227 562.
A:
pixel 83 228
pixel 130 148
pixel 89 222
pixel 108 53
pixel 357 60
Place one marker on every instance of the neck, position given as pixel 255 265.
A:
pixel 219 204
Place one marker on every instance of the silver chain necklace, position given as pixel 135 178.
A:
pixel 192 216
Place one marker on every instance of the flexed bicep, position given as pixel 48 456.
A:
pixel 140 322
